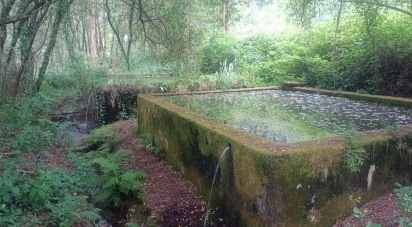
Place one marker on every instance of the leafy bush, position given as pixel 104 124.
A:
pixel 218 50
pixel 77 80
pixel 350 60
pixel 214 82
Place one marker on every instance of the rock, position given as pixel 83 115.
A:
pixel 101 223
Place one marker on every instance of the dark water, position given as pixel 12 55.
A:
pixel 293 116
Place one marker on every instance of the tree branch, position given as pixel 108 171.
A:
pixel 24 15
pixel 380 4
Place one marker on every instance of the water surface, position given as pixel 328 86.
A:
pixel 293 116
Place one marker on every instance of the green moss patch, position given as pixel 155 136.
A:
pixel 266 184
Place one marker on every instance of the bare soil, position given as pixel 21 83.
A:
pixel 169 196
pixel 383 210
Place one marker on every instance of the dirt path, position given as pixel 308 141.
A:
pixel 167 192
pixel 383 210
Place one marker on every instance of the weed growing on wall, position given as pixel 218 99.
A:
pixel 148 143
pixel 355 155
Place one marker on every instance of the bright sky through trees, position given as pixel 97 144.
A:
pixel 255 19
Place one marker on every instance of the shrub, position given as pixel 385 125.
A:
pixel 218 50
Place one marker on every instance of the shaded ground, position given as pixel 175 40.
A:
pixel 383 210
pixel 167 194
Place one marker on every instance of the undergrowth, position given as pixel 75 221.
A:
pixel 355 155
pixel 116 183
pixel 35 194
pixel 147 140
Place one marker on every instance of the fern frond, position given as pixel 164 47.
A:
pixel 120 157
pixel 106 166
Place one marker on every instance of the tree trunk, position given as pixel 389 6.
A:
pixel 93 35
pixel 226 5
pixel 61 11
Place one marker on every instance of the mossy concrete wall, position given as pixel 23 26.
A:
pixel 267 184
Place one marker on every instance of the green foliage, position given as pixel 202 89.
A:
pixel 116 184
pixel 218 50
pixel 355 158
pixel 404 196
pixel 214 82
pixel 11 187
pixel 25 126
pixel 78 79
pixel 30 138
pixel 54 190
pixel 147 140
pixel 358 213
pixel 132 225
pixel 373 57
pixel 355 155
pixel 371 224
pixel 102 139
pixel 72 208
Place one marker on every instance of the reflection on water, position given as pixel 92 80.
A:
pixel 292 116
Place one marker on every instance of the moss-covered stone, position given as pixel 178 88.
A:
pixel 266 184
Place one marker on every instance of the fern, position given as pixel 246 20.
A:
pixel 131 181
pixel 102 139
pixel 11 186
pixel 116 184
pixel 355 158
pixel 72 208
pixel 148 143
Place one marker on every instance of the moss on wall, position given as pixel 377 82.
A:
pixel 262 183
